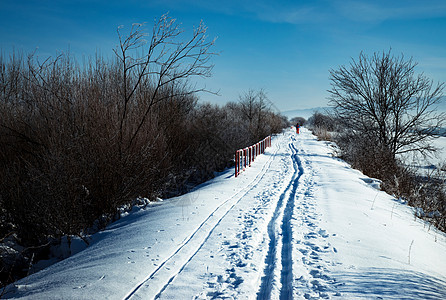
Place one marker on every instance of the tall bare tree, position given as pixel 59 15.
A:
pixel 382 97
pixel 151 68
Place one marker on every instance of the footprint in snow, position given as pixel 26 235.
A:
pixel 311 235
pixel 323 233
pixel 304 251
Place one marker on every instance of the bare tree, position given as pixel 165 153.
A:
pixel 249 106
pixel 253 107
pixel 166 61
pixel 382 97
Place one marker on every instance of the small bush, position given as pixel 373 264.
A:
pixel 323 126
pixel 429 196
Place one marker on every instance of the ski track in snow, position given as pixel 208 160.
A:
pixel 282 240
pixel 286 278
pixel 285 208
pixel 240 267
pixel 310 243
pixel 300 246
pixel 213 220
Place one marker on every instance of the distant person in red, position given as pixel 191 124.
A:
pixel 297 128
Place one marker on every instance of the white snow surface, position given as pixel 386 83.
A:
pixel 297 224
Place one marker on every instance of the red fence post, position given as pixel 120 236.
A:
pixel 249 155
pixel 236 162
pixel 244 157
pixel 241 160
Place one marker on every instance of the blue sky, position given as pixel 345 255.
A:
pixel 284 47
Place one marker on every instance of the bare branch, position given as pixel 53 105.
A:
pixel 167 61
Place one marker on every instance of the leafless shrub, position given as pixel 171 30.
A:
pixel 323 125
pixel 254 114
pixel 298 120
pixel 429 198
pixel 323 120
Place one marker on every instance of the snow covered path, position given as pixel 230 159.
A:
pixel 298 224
